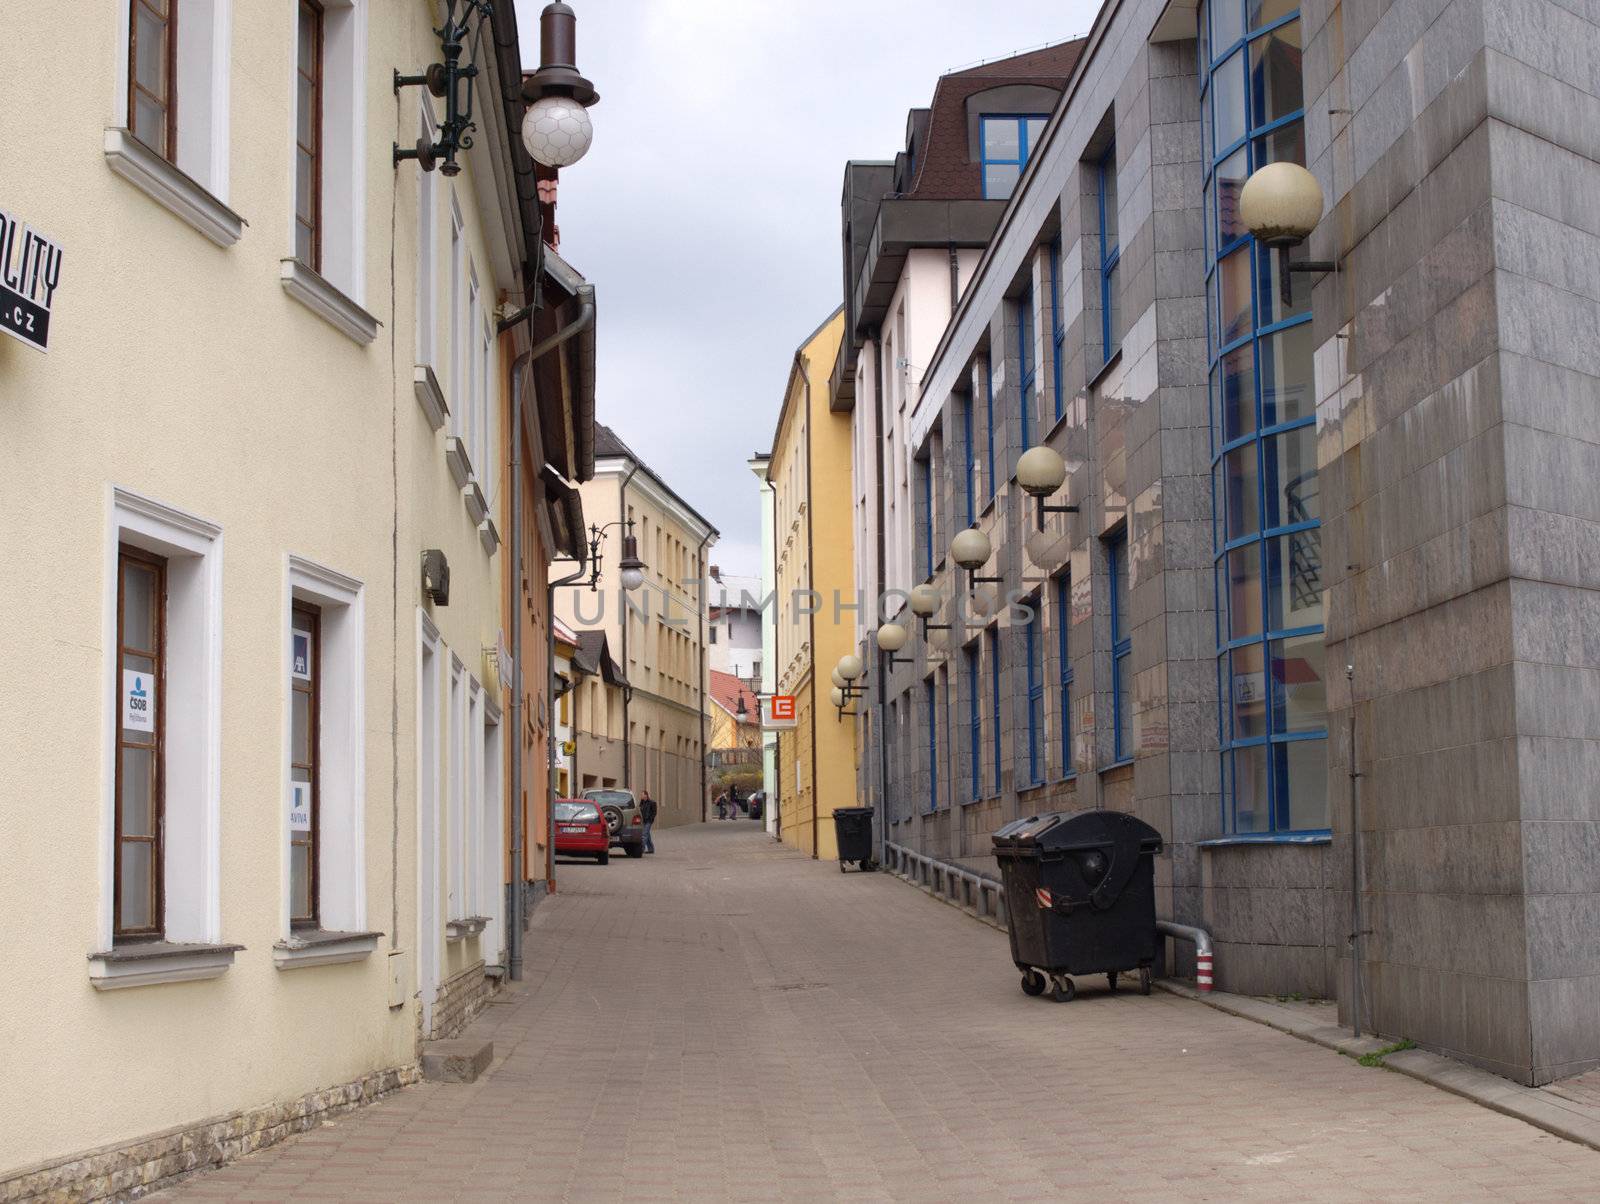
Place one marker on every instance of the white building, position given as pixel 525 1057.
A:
pixel 733 624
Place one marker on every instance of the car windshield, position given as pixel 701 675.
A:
pixel 576 812
pixel 622 798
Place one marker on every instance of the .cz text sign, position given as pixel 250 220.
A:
pixel 30 270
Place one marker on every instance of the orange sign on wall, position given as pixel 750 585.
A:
pixel 778 712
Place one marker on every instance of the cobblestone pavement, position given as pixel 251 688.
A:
pixel 730 1020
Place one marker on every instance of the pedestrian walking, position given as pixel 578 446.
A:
pixel 647 813
pixel 722 806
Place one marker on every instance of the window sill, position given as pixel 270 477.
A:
pixel 153 962
pixel 477 505
pixel 1224 842
pixel 1122 764
pixel 1116 358
pixel 455 455
pixel 171 188
pixel 456 930
pixel 315 947
pixel 489 536
pixel 429 395
pixel 314 292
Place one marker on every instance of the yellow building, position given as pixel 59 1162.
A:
pixel 810 475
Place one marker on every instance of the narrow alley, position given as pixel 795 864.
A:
pixel 727 1020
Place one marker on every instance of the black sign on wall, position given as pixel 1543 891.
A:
pixel 30 270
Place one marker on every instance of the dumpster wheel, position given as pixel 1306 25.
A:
pixel 1033 983
pixel 1064 990
pixel 1144 980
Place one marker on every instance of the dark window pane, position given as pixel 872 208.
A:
pixel 1299 685
pixel 1228 102
pixel 1294 580
pixel 1242 483
pixel 1244 591
pixel 150 123
pixel 306 112
pixel 138 792
pixel 1114 308
pixel 1237 385
pixel 999 179
pixel 1278 305
pixel 1304 772
pixel 300 726
pixel 137 901
pixel 1252 811
pixel 1108 183
pixel 1233 296
pixel 1231 175
pixel 138 607
pixel 300 881
pixel 1286 144
pixel 304 185
pixel 1288 392
pixel 1247 689
pixel 150 52
pixel 1035 130
pixel 1290 461
pixel 1276 89
pixel 1265 12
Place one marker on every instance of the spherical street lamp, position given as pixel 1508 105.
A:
pixel 836 696
pixel 838 678
pixel 1281 204
pixel 556 128
pixel 850 666
pixel 970 549
pixel 557 131
pixel 892 637
pixel 925 601
pixel 1041 471
pixel 632 567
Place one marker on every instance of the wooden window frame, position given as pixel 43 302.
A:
pixel 169 103
pixel 318 80
pixel 126 553
pixel 312 840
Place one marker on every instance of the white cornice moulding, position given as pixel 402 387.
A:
pixel 477 505
pixel 455 455
pixel 171 188
pixel 328 303
pixel 157 963
pixel 329 950
pixel 429 395
pixel 489 535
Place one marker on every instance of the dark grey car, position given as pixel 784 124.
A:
pixel 621 810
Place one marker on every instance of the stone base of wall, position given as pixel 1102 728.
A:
pixel 460 998
pixel 134 1169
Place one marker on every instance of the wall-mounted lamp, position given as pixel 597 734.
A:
pixel 436 576
pixel 1281 204
pixel 925 602
pixel 556 128
pixel 971 550
pixel 1041 471
pixel 452 80
pixel 891 638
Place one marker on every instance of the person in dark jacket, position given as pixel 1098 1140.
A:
pixel 647 813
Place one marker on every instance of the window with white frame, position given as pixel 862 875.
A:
pixel 484 455
pixel 455 819
pixel 171 133
pixel 471 866
pixel 473 392
pixel 324 763
pixel 428 867
pixel 427 250
pixel 160 858
pixel 458 298
pixel 329 178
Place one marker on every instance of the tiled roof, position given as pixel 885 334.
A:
pixel 726 690
pixel 945 170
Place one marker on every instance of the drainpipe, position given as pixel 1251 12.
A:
pixel 1202 948
pixel 627 695
pixel 700 562
pixel 811 568
pixel 519 879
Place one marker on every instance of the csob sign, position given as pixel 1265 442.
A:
pixel 30 270
pixel 778 712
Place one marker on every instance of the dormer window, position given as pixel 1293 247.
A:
pixel 1007 141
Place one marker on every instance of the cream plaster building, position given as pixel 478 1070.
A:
pixel 255 804
pixel 657 633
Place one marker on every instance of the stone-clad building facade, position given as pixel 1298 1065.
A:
pixel 1281 473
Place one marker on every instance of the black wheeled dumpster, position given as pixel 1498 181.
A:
pixel 1080 896
pixel 852 827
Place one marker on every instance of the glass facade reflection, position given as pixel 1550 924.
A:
pixel 1267 521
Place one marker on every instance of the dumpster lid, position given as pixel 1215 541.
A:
pixel 852 811
pixel 1097 829
pixel 1027 831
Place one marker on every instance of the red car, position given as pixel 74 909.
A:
pixel 581 831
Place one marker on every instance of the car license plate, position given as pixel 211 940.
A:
pixel 573 829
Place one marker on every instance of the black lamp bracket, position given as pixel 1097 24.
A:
pixel 453 81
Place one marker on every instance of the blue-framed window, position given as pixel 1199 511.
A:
pixel 970 462
pixel 1058 332
pixel 1032 651
pixel 1110 256
pixel 1006 140
pixel 1027 366
pixel 994 699
pixel 1267 537
pixel 928 515
pixel 974 720
pixel 1063 613
pixel 1121 650
pixel 933 745
pixel 992 485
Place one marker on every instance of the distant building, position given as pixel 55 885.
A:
pixel 733 624
pixel 599 704
pixel 735 724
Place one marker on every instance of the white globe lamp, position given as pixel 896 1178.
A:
pixel 925 601
pixel 891 637
pixel 1041 471
pixel 557 131
pixel 1281 204
pixel 850 666
pixel 970 549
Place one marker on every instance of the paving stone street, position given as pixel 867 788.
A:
pixel 730 1020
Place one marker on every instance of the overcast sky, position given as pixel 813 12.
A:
pixel 707 212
